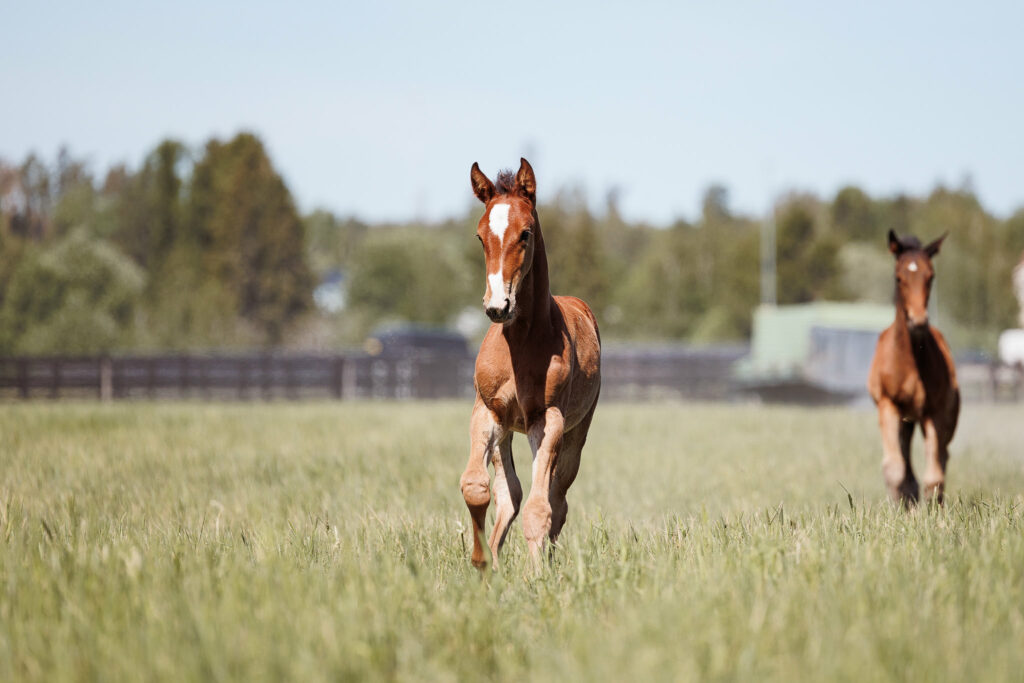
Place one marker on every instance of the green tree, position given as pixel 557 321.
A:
pixel 715 204
pixel 412 274
pixel 77 296
pixel 808 265
pixel 576 255
pixel 854 216
pixel 331 241
pixel 150 206
pixel 243 223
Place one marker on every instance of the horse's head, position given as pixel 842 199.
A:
pixel 914 275
pixel 508 230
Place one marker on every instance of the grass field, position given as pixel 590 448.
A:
pixel 329 542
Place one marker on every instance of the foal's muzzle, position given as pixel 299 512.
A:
pixel 499 315
pixel 917 326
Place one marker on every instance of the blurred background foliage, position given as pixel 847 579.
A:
pixel 205 248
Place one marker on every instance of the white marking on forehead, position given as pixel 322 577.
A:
pixel 499 220
pixel 912 267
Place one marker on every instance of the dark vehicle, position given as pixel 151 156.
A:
pixel 413 340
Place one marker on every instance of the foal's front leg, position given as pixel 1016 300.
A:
pixel 485 434
pixel 545 435
pixel 896 468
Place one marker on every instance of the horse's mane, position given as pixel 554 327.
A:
pixel 909 242
pixel 505 183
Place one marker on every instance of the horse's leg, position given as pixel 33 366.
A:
pixel 896 435
pixel 545 437
pixel 935 442
pixel 508 493
pixel 565 473
pixel 484 434
pixel 909 490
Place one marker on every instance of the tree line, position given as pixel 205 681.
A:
pixel 205 248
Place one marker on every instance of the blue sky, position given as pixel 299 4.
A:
pixel 379 109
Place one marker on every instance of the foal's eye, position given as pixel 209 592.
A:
pixel 525 237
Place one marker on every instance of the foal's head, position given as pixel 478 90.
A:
pixel 914 275
pixel 508 230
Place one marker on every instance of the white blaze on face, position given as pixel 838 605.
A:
pixel 912 267
pixel 499 220
pixel 496 281
pixel 497 286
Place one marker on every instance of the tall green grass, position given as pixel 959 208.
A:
pixel 330 542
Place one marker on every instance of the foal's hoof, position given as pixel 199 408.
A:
pixel 905 496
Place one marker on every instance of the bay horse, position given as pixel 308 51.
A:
pixel 538 372
pixel 913 380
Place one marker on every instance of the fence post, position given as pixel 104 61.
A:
pixel 349 380
pixel 337 376
pixel 289 377
pixel 151 377
pixel 23 377
pixel 266 368
pixel 54 377
pixel 243 377
pixel 106 379
pixel 183 378
pixel 204 389
pixel 404 368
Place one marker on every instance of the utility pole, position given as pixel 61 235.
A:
pixel 768 283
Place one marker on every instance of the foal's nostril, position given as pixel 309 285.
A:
pixel 498 314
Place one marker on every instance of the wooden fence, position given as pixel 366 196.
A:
pixel 628 373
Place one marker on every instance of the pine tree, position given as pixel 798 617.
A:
pixel 243 221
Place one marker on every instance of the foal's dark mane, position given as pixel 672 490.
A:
pixel 505 183
pixel 910 243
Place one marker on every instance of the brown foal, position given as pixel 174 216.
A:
pixel 538 373
pixel 913 380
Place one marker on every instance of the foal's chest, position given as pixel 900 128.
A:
pixel 911 397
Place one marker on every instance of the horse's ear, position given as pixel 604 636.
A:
pixel 526 181
pixel 483 188
pixel 933 248
pixel 895 246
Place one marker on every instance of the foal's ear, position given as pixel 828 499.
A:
pixel 526 181
pixel 933 248
pixel 483 188
pixel 895 245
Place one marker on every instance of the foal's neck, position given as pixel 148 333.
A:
pixel 534 300
pixel 917 346
pixel 902 328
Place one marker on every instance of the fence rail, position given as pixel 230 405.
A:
pixel 626 373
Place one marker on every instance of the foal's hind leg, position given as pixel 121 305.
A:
pixel 485 433
pixel 896 468
pixel 564 474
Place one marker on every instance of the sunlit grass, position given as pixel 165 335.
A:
pixel 329 541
